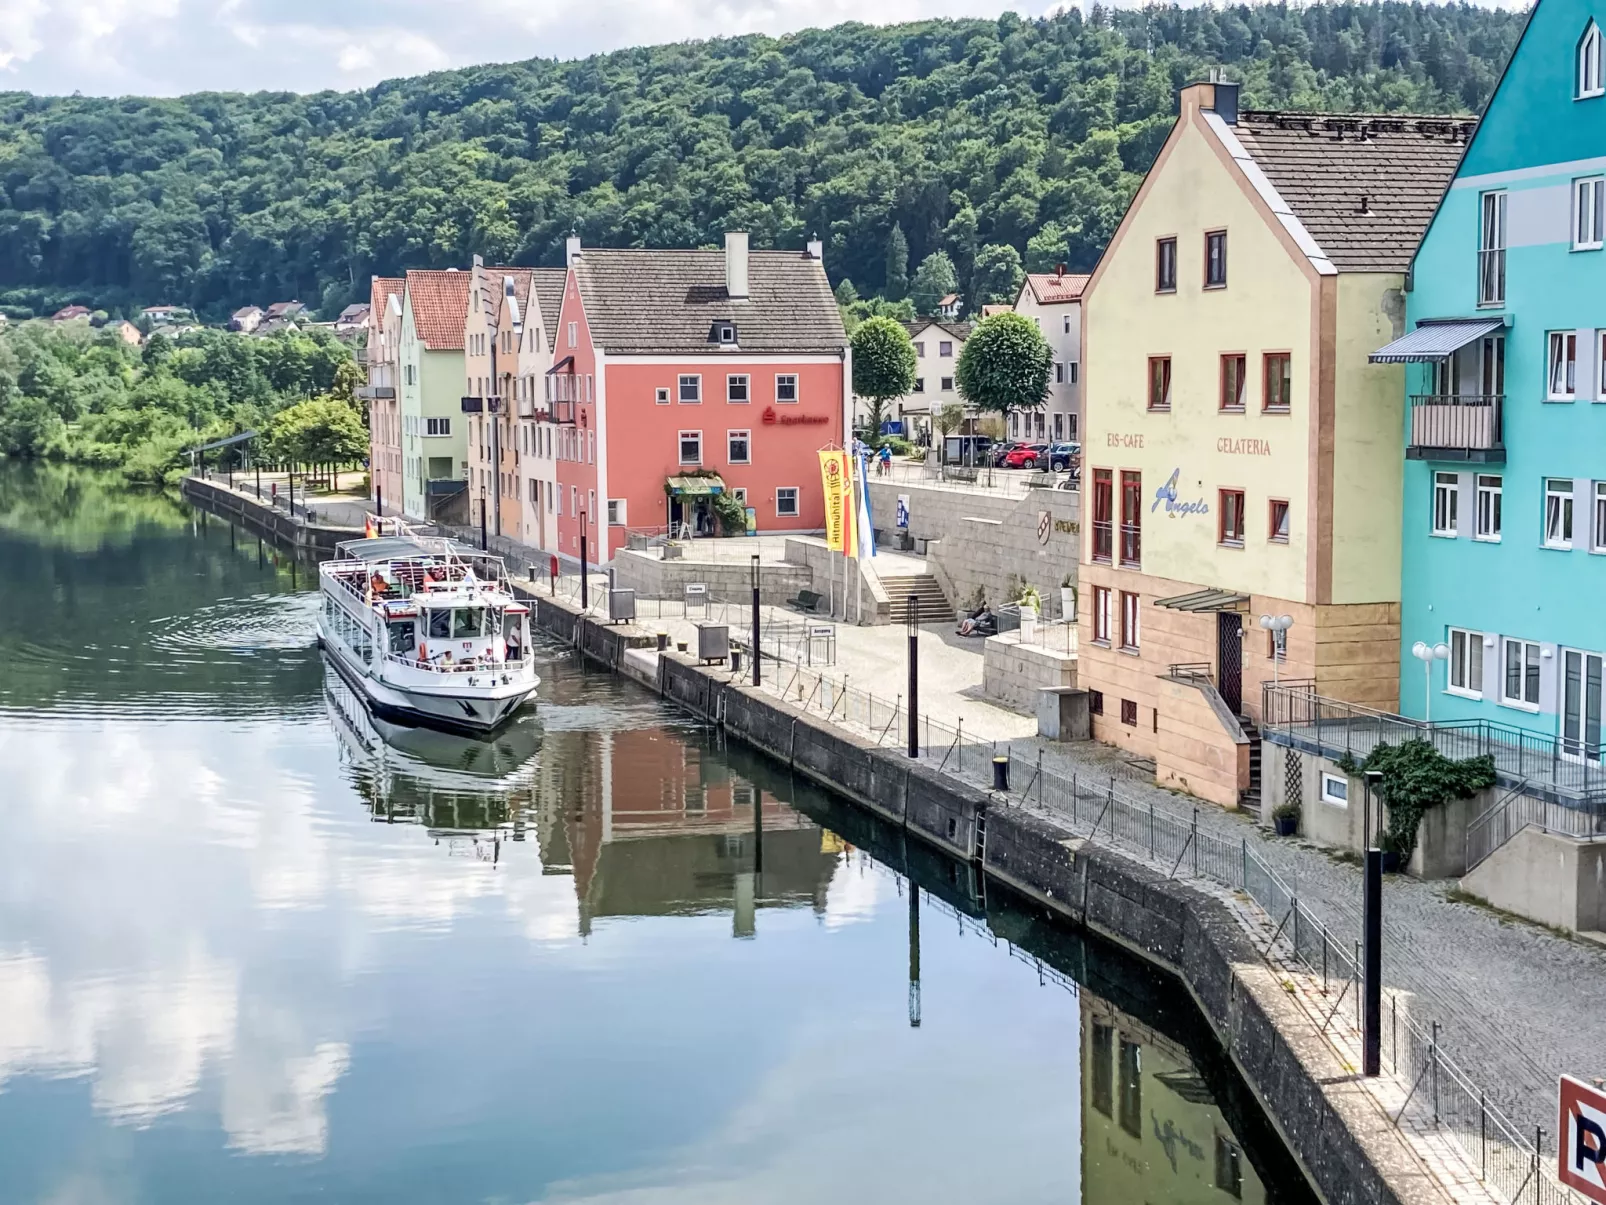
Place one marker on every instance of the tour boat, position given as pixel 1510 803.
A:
pixel 426 629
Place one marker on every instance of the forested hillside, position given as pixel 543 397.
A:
pixel 941 135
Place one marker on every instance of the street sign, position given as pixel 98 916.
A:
pixel 1582 1145
pixel 903 510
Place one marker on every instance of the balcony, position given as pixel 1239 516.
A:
pixel 1457 426
pixel 1492 276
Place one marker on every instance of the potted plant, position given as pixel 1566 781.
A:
pixel 1285 819
pixel 1067 599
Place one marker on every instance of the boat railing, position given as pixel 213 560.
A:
pixel 460 667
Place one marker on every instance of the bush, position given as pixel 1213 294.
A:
pixel 1416 779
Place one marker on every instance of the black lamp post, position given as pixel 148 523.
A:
pixel 585 557
pixel 913 620
pixel 758 656
pixel 484 544
pixel 1372 939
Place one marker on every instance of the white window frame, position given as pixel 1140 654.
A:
pixel 661 397
pixel 1560 523
pixel 444 424
pixel 920 349
pixel 616 512
pixel 1561 366
pixel 1488 507
pixel 1446 504
pixel 574 334
pixel 1338 797
pixel 680 448
pixel 796 493
pixel 739 492
pixel 1587 77
pixel 735 381
pixel 1528 654
pixel 1597 538
pixel 746 436
pixel 695 382
pixel 1589 212
pixel 1466 664
pixel 782 381
pixel 945 347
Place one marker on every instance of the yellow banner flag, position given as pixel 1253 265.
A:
pixel 838 521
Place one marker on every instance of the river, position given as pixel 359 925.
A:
pixel 256 948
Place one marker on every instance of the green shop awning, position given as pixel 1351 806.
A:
pixel 691 487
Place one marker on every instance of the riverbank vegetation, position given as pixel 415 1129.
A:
pixel 1004 144
pixel 74 393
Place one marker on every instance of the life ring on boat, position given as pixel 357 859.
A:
pixel 423 652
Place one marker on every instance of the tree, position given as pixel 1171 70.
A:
pixel 897 279
pixel 29 429
pixel 846 294
pixel 935 278
pixel 1004 365
pixel 321 430
pixel 949 417
pixel 883 365
pixel 996 280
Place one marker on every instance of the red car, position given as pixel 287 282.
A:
pixel 1026 456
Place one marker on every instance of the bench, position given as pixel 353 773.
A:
pixel 956 472
pixel 806 601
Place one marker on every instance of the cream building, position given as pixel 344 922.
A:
pixel 1242 458
pixel 1053 300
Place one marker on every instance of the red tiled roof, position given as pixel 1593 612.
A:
pixel 381 291
pixel 987 311
pixel 1050 288
pixel 440 306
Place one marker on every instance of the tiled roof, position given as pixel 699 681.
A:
pixel 548 284
pixel 649 301
pixel 440 304
pixel 1365 185
pixel 382 289
pixel 987 311
pixel 959 330
pixel 1050 288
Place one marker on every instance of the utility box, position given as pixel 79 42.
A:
pixel 713 642
pixel 1063 714
pixel 621 606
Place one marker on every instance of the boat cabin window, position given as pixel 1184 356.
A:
pixel 471 621
pixel 403 637
pixel 440 623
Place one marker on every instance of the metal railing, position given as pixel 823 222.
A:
pixel 1103 540
pixel 1131 545
pixel 1450 422
pixel 1517 810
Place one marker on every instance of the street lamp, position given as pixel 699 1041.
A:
pixel 1427 654
pixel 753 570
pixel 1278 626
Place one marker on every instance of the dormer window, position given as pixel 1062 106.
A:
pixel 1589 64
pixel 723 333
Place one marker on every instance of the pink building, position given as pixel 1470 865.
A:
pixel 384 416
pixel 677 375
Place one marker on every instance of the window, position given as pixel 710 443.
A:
pixel 1059 373
pixel 1131 518
pixel 437 426
pixel 574 333
pixel 1446 503
pixel 1589 212
pixel 1231 527
pixel 1101 615
pixel 1277 521
pixel 1558 512
pixel 726 332
pixel 1335 789
pixel 1216 259
pixel 1600 366
pixel 1129 622
pixel 1492 250
pixel 1129 712
pixel 736 387
pixel 1159 382
pixel 1101 1056
pixel 1229 1168
pixel 1465 675
pixel 1277 646
pixel 786 502
pixel 1597 539
pixel 1233 370
pixel 947 384
pixel 786 387
pixel 616 512
pixel 1073 372
pixel 1103 515
pixel 1521 685
pixel 1165 265
pixel 920 349
pixel 591 507
pixel 691 447
pixel 690 389
pixel 662 397
pixel 1278 390
pixel 1562 376
pixel 1129 1102
pixel 1095 702
pixel 737 447
pixel 1489 497
pixel 1588 79
pixel 945 348
pixel 920 385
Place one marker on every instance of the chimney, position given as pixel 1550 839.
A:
pixel 736 264
pixel 571 249
pixel 1226 104
pixel 1059 269
pixel 816 249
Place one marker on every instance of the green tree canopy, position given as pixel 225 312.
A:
pixel 1004 365
pixel 883 365
pixel 322 430
pixel 897 278
pixel 997 277
pixel 934 279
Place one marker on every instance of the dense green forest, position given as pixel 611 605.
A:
pixel 998 141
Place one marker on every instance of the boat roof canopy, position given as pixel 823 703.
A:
pixel 396 548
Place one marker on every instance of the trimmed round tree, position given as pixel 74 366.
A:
pixel 883 366
pixel 1004 365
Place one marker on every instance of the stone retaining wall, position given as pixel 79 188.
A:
pixel 1013 673
pixel 266 520
pixel 727 580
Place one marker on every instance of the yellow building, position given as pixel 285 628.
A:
pixel 1242 456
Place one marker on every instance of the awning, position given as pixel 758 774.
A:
pixel 1435 339
pixel 686 487
pixel 241 438
pixel 564 365
pixel 1205 600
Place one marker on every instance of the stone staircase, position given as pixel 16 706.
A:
pixel 1249 798
pixel 934 604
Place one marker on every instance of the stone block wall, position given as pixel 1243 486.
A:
pixel 1199 745
pixel 730 580
pixel 1013 672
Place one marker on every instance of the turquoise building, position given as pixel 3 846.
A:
pixel 1505 485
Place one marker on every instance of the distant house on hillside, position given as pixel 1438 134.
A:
pixel 285 310
pixel 987 311
pixel 948 308
pixel 353 318
pixel 246 319
pixel 71 313
pixel 158 315
pixel 126 331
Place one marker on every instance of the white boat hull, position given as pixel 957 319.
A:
pixel 477 709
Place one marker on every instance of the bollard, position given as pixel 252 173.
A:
pixel 736 661
pixel 1001 773
pixel 663 641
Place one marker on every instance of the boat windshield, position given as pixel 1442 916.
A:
pixel 462 623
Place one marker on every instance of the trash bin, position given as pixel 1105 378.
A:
pixel 1001 774
pixel 713 642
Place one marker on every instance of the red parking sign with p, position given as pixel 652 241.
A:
pixel 1583 1138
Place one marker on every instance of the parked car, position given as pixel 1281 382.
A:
pixel 1064 456
pixel 1025 456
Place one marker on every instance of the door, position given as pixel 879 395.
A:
pixel 1230 660
pixel 1580 705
